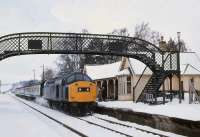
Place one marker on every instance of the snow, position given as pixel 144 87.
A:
pixel 171 109
pixel 92 130
pixel 41 101
pixel 138 67
pixel 103 71
pixel 124 72
pixel 137 126
pixel 194 63
pixel 82 126
pixel 129 131
pixel 17 120
pixel 25 122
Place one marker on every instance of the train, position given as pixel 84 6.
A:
pixel 75 93
pixel 28 89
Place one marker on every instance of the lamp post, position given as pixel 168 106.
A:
pixel 178 64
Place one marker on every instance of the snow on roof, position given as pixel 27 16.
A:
pixel 189 64
pixel 138 67
pixel 124 72
pixel 103 71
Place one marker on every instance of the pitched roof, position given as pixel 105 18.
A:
pixel 189 63
pixel 103 71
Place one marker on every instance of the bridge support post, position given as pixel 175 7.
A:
pixel 178 66
pixel 107 82
pixel 114 89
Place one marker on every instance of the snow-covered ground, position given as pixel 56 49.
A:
pixel 92 131
pixel 171 109
pixel 84 127
pixel 17 120
pixel 138 126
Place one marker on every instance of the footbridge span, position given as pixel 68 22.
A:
pixel 161 63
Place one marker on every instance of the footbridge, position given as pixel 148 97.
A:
pixel 161 63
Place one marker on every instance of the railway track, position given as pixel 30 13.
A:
pixel 128 126
pixel 95 124
pixel 70 128
pixel 59 122
pixel 92 123
pixel 120 124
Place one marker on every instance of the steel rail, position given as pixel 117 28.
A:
pixel 70 128
pixel 104 127
pixel 117 123
pixel 55 120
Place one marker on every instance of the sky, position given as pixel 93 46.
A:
pixel 97 16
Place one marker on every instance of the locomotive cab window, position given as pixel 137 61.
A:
pixel 71 79
pixel 79 77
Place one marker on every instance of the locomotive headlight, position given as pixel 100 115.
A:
pixel 83 89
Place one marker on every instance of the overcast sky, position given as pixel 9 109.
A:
pixel 98 16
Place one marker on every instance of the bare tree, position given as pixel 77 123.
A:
pixel 68 63
pixel 120 32
pixel 143 31
pixel 48 74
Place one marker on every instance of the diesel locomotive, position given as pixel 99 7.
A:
pixel 75 92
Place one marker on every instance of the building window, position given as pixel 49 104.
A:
pixel 129 85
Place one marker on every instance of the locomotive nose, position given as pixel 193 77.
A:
pixel 82 91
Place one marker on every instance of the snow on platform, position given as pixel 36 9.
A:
pixel 17 120
pixel 172 109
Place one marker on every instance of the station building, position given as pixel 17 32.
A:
pixel 119 80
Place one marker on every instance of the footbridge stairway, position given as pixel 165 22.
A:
pixel 161 63
pixel 148 89
pixel 151 90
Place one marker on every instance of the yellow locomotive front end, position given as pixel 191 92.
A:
pixel 82 92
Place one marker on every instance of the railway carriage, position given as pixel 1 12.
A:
pixel 29 89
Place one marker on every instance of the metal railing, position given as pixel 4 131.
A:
pixel 193 95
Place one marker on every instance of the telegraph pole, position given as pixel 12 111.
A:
pixel 33 74
pixel 43 78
